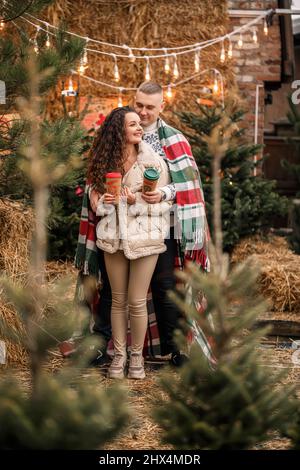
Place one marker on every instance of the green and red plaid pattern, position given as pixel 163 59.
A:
pixel 191 226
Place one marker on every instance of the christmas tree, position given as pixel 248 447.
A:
pixel 58 57
pixel 249 202
pixel 294 168
pixel 60 411
pixel 231 402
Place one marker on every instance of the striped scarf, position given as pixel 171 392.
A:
pixel 191 228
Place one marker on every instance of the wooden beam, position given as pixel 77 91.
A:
pixel 287 328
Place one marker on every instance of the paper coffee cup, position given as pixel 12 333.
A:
pixel 151 176
pixel 113 184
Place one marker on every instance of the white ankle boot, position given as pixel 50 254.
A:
pixel 136 366
pixel 117 367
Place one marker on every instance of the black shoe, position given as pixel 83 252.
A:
pixel 178 359
pixel 100 359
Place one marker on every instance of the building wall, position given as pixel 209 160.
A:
pixel 256 64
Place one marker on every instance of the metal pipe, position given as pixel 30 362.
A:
pixel 250 13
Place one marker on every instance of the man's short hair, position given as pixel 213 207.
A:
pixel 150 88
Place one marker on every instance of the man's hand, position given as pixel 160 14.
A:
pixel 94 199
pixel 152 197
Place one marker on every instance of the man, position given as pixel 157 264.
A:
pixel 189 232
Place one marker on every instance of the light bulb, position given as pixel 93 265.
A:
pixel 266 29
pixel 2 24
pixel 35 43
pixel 216 86
pixel 230 51
pixel 81 68
pixel 175 69
pixel 36 47
pixel 254 37
pixel 169 93
pixel 147 71
pixel 223 55
pixel 47 44
pixel 197 61
pixel 167 65
pixel 85 58
pixel 240 41
pixel 131 56
pixel 116 72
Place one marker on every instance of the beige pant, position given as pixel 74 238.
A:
pixel 129 281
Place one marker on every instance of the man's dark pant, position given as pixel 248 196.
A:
pixel 167 313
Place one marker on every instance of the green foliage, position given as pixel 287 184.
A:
pixel 65 141
pixel 235 404
pixel 62 411
pixel 249 202
pixel 60 416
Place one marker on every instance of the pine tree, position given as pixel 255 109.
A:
pixel 60 411
pixel 248 202
pixel 69 137
pixel 231 403
pixel 294 169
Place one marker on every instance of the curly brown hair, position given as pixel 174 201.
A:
pixel 108 150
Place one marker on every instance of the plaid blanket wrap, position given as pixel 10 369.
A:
pixel 191 230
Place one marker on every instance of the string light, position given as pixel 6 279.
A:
pixel 116 71
pixel 254 37
pixel 147 71
pixel 185 49
pixel 47 44
pixel 131 56
pixel 230 50
pixel 266 29
pixel 85 55
pixel 216 85
pixel 197 61
pixel 120 98
pixel 175 69
pixel 167 63
pixel 2 24
pixel 240 41
pixel 83 65
pixel 35 43
pixel 169 93
pixel 81 68
pixel 222 55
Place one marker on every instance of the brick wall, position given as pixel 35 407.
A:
pixel 256 64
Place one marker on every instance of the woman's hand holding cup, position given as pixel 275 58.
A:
pixel 109 198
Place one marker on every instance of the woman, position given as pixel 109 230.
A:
pixel 130 232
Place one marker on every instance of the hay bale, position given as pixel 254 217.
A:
pixel 279 280
pixel 16 221
pixel 142 23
